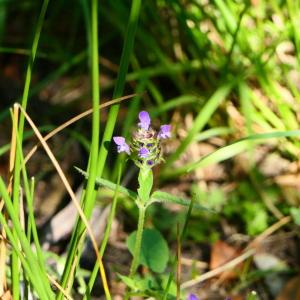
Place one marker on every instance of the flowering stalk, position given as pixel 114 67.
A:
pixel 145 151
pixel 145 180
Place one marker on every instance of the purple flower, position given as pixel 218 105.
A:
pixel 144 152
pixel 192 297
pixel 164 132
pixel 121 143
pixel 144 120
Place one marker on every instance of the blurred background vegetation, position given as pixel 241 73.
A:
pixel 218 71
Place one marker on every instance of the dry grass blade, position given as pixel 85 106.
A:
pixel 270 230
pixel 3 240
pixel 3 247
pixel 51 279
pixel 12 155
pixel 58 286
pixel 70 191
pixel 178 271
pixel 75 119
pixel 250 250
pixel 228 266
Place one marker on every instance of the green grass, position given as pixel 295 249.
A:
pixel 225 74
pixel 16 180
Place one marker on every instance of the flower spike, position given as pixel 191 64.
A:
pixel 122 145
pixel 145 148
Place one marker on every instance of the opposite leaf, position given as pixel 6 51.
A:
pixel 131 283
pixel 154 250
pixel 160 197
pixel 110 185
pixel 146 284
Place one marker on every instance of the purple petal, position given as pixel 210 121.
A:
pixel 119 140
pixel 144 120
pixel 164 132
pixel 144 152
pixel 192 297
pixel 122 146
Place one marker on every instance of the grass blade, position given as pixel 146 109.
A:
pixel 231 150
pixel 203 117
pixel 17 167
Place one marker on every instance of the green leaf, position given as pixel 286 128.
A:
pixel 136 283
pixel 159 196
pixel 295 213
pixel 131 283
pixel 110 185
pixel 238 147
pixel 203 117
pixel 214 199
pixel 154 250
pixel 145 184
pixel 229 151
pixel 256 218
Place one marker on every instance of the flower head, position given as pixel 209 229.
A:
pixel 145 146
pixel 144 120
pixel 122 146
pixel 164 132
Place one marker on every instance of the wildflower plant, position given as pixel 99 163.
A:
pixel 146 152
pixel 148 247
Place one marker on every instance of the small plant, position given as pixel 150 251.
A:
pixel 145 151
pixel 147 246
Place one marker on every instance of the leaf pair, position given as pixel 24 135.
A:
pixel 156 197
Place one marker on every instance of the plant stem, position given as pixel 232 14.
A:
pixel 174 260
pixel 138 241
